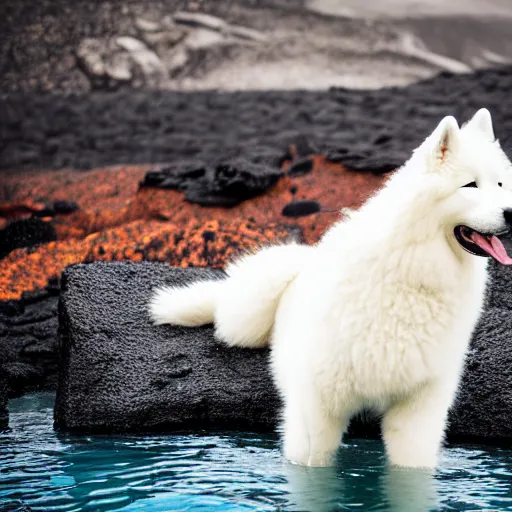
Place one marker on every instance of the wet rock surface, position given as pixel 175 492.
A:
pixel 365 130
pixel 121 373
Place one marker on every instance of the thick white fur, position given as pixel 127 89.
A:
pixel 190 306
pixel 243 307
pixel 377 315
pixel 250 296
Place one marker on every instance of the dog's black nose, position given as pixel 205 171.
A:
pixel 508 216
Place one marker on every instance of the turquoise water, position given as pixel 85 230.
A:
pixel 227 472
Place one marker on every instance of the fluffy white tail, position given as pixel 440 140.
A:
pixel 242 306
pixel 189 305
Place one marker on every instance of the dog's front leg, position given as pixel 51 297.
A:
pixel 413 429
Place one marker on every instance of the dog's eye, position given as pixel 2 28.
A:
pixel 472 185
pixel 500 184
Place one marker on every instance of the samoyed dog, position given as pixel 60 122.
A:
pixel 378 315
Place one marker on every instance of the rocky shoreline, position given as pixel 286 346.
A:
pixel 281 161
pixel 114 376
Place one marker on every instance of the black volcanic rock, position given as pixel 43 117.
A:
pixel 484 402
pixel 28 342
pixel 25 233
pixel 300 167
pixel 369 130
pixel 4 414
pixel 366 130
pixel 119 373
pixel 65 206
pixel 301 208
pixel 499 292
pixel 224 184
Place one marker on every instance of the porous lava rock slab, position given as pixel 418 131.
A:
pixel 120 373
pixel 483 408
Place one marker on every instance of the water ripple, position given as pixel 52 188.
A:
pixel 226 472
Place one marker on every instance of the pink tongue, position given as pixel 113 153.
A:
pixel 494 248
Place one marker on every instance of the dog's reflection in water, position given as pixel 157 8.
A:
pixel 314 489
pixel 330 489
pixel 409 490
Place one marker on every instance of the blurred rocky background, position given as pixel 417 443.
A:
pixel 58 45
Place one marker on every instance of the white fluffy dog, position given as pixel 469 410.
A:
pixel 378 315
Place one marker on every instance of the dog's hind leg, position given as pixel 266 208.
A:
pixel 311 435
pixel 413 429
pixel 325 433
pixel 295 432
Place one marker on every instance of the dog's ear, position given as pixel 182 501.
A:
pixel 482 121
pixel 445 138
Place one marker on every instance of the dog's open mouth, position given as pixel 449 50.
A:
pixel 481 244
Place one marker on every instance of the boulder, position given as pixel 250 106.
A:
pixel 25 233
pixel 224 184
pixel 120 373
pixel 28 341
pixel 483 409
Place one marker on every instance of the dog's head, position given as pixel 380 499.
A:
pixel 473 179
